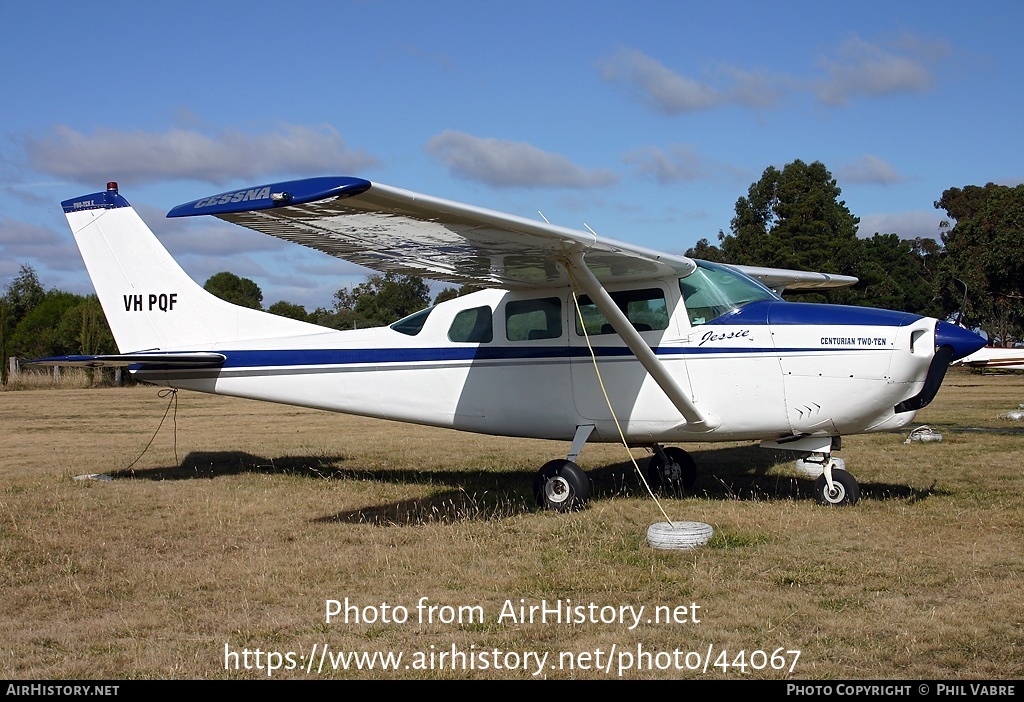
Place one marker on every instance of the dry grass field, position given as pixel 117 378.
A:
pixel 185 567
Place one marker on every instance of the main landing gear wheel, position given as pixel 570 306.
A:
pixel 675 473
pixel 845 490
pixel 561 486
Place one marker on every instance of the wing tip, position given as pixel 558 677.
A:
pixel 271 195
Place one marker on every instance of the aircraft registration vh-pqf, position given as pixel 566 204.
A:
pixel 687 350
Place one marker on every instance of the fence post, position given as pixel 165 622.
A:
pixel 12 368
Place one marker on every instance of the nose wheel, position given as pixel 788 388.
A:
pixel 835 487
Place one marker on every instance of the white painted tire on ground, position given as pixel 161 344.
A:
pixel 810 469
pixel 923 434
pixel 814 469
pixel 679 535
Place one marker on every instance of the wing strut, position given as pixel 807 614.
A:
pixel 697 420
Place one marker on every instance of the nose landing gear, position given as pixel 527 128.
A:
pixel 835 487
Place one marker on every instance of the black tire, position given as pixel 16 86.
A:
pixel 675 477
pixel 561 486
pixel 846 492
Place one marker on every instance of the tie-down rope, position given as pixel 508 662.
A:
pixel 604 391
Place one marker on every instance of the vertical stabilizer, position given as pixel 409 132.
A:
pixel 149 301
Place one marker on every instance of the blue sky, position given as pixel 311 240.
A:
pixel 645 120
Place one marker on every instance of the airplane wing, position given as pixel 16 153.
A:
pixel 390 229
pixel 182 359
pixel 994 357
pixel 779 279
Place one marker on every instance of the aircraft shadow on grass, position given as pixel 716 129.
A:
pixel 731 473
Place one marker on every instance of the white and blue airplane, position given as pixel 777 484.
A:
pixel 994 358
pixel 686 350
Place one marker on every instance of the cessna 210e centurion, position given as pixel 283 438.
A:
pixel 687 350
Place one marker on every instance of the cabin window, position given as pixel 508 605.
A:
pixel 645 309
pixel 529 320
pixel 713 290
pixel 472 326
pixel 412 324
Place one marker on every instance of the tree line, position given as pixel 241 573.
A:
pixel 794 218
pixel 35 322
pixel 790 218
pixel 382 299
pixel 38 323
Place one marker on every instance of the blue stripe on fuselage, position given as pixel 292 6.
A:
pixel 343 357
pixel 325 357
pixel 756 313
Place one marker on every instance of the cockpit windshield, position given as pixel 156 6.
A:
pixel 712 290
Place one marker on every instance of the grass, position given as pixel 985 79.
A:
pixel 62 378
pixel 270 511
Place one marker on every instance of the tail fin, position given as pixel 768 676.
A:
pixel 149 301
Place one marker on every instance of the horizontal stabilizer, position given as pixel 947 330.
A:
pixel 184 359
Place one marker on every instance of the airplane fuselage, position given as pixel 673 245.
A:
pixel 574 336
pixel 773 368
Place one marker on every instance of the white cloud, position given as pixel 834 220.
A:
pixel 753 88
pixel 856 68
pixel 207 236
pixel 861 68
pixel 504 163
pixel 673 93
pixel 868 169
pixel 25 193
pixel 21 242
pixel 908 225
pixel 679 162
pixel 111 154
pixel 657 85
